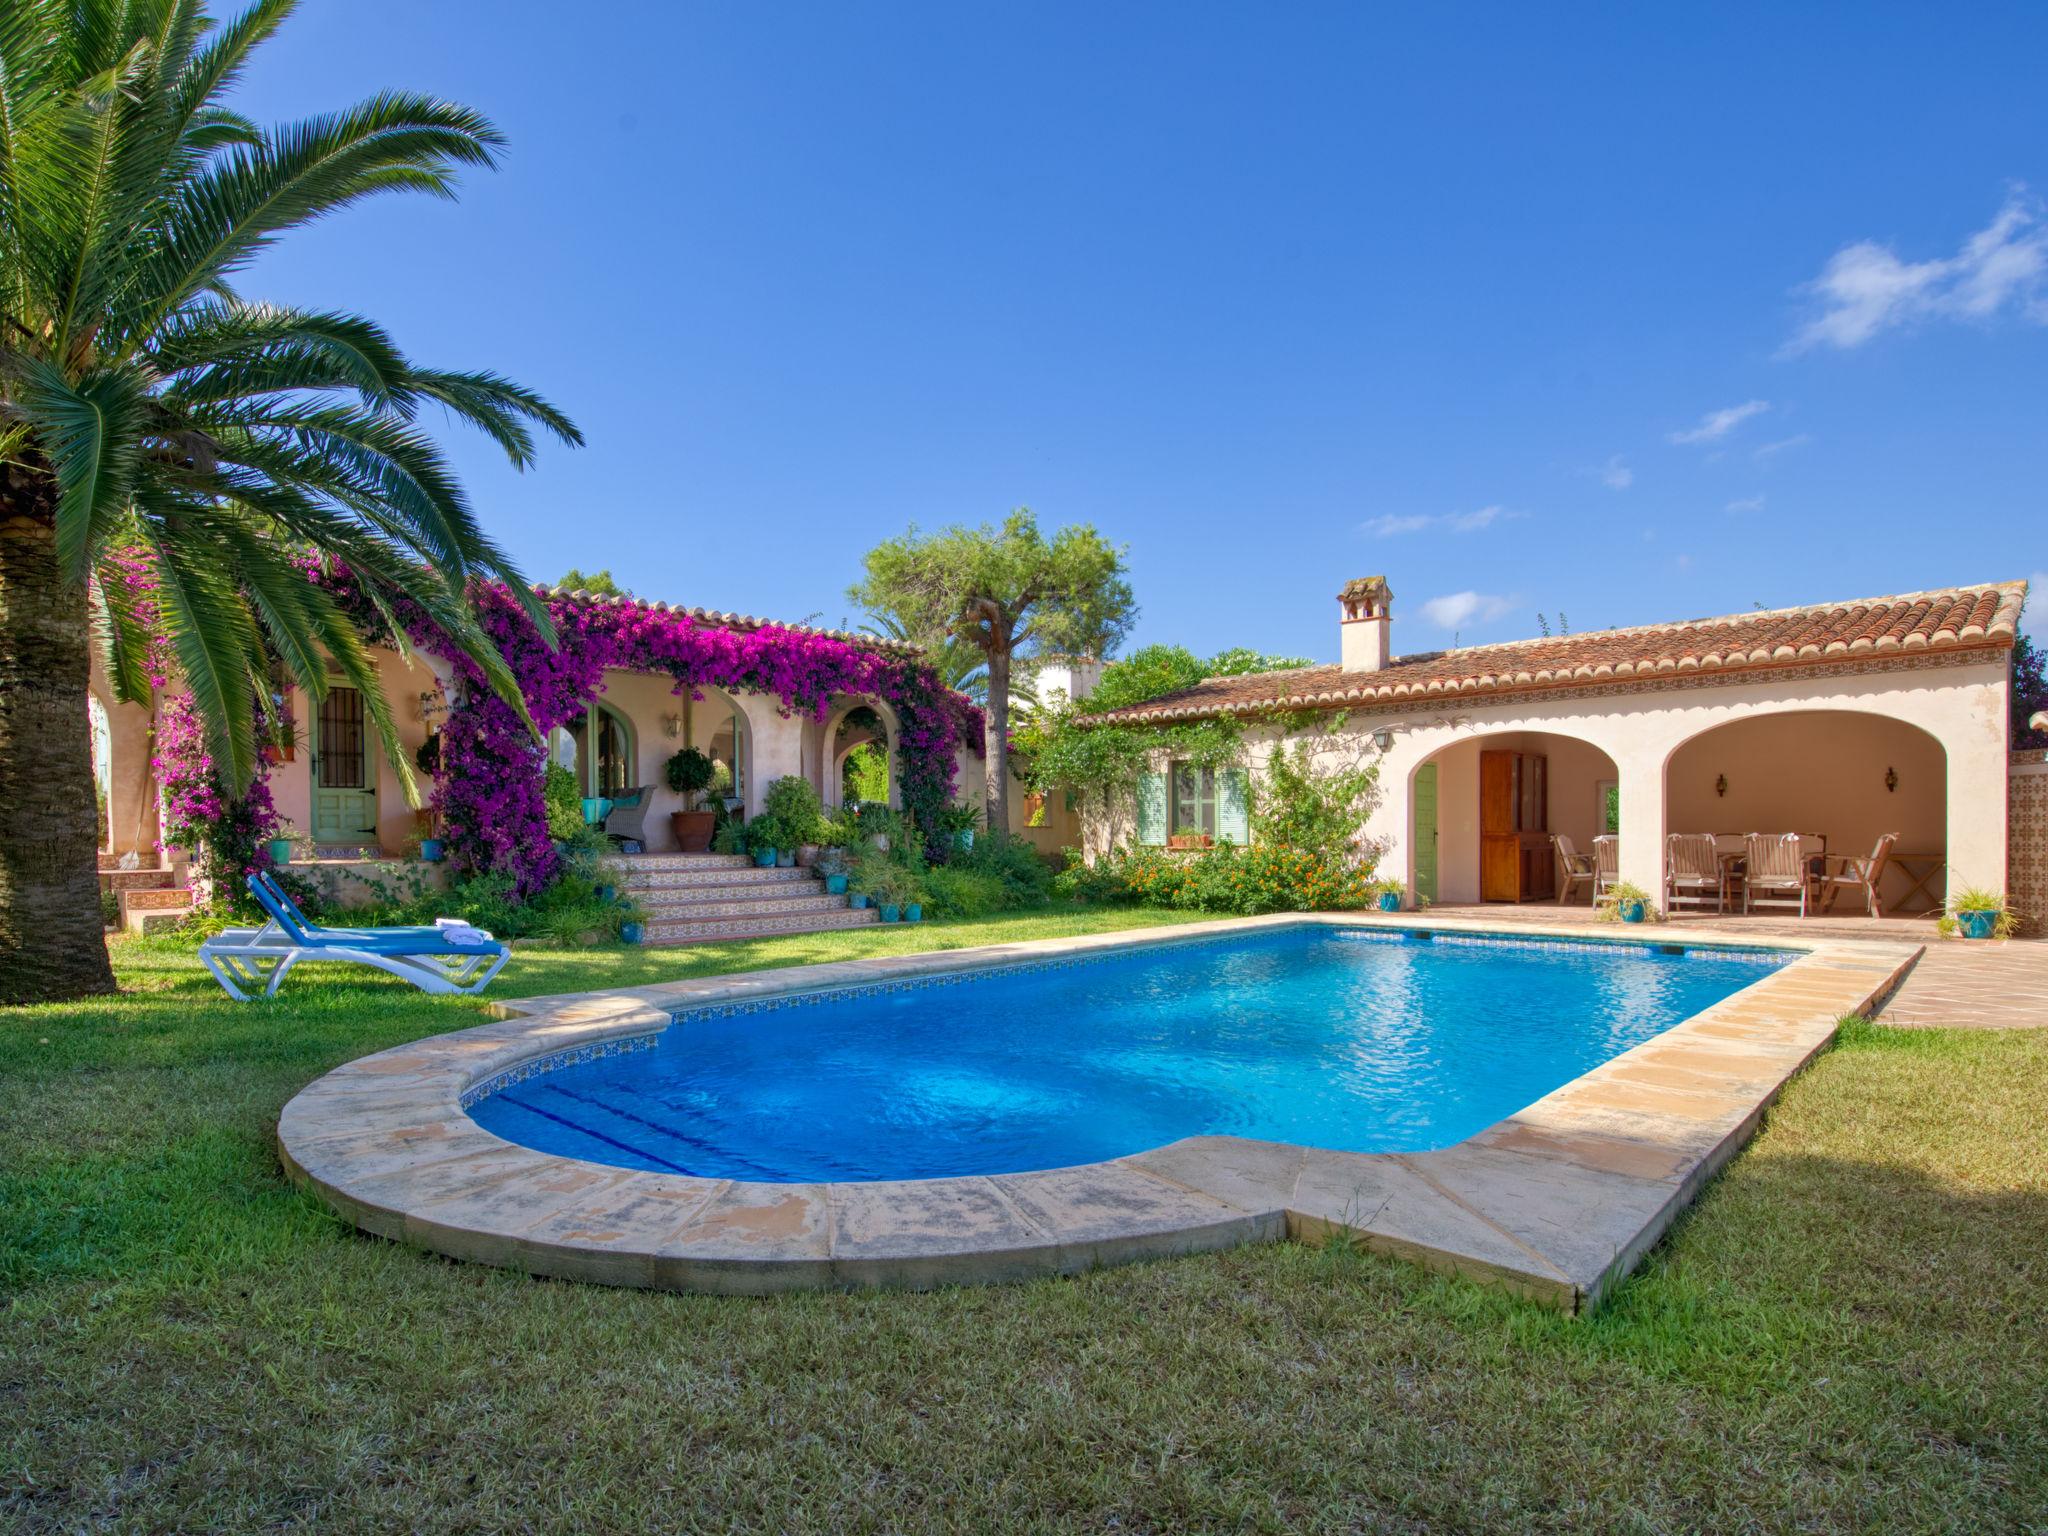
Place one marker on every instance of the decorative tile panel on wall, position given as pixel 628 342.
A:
pixel 2027 842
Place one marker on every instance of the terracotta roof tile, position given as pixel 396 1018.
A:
pixel 1907 624
pixel 740 622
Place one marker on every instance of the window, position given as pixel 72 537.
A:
pixel 1194 800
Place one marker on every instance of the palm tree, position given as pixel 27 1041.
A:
pixel 148 411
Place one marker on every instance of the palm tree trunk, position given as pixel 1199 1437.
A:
pixel 996 743
pixel 51 942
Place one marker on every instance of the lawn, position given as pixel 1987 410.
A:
pixel 1847 1332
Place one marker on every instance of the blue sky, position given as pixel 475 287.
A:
pixel 1625 312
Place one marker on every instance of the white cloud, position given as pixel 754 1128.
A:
pixel 1716 425
pixel 1782 445
pixel 1616 475
pixel 1458 609
pixel 1389 524
pixel 1865 289
pixel 1747 504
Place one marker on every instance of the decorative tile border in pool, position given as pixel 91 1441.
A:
pixel 573 1056
pixel 1558 1201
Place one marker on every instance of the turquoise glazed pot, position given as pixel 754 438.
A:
pixel 764 858
pixel 632 933
pixel 914 913
pixel 280 850
pixel 1977 925
pixel 835 885
pixel 858 900
pixel 1632 910
pixel 964 840
pixel 1389 902
pixel 433 850
pixel 891 912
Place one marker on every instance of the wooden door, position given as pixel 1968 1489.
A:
pixel 1500 843
pixel 344 771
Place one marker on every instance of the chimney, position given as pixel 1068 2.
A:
pixel 1073 676
pixel 1368 605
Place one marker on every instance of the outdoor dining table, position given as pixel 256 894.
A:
pixel 1920 870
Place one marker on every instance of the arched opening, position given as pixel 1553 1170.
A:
pixel 597 747
pixel 1840 779
pixel 860 755
pixel 102 769
pixel 1488 816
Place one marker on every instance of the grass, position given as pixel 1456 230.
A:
pixel 1846 1333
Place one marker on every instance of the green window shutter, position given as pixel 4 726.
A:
pixel 1152 809
pixel 1233 807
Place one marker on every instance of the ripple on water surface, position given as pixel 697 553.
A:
pixel 1362 1042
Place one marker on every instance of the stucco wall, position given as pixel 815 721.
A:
pixel 131 798
pixel 1642 728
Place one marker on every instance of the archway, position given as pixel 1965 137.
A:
pixel 1840 778
pixel 859 753
pixel 1487 811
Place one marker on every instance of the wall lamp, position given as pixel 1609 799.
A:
pixel 1721 785
pixel 1383 738
pixel 672 726
pixel 1891 780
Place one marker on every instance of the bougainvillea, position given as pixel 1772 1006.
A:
pixel 226 834
pixel 488 789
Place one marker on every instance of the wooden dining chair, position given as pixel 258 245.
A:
pixel 1692 872
pixel 1606 863
pixel 1775 873
pixel 1573 868
pixel 1848 873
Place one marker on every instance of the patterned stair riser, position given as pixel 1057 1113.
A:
pixel 680 861
pixel 137 879
pixel 715 878
pixel 758 927
pixel 788 906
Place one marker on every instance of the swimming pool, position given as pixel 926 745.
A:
pixel 1353 1040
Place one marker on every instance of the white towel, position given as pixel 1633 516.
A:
pixel 456 931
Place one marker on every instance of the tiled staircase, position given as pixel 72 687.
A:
pixel 149 897
pixel 695 898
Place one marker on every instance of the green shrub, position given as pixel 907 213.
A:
pixel 795 805
pixel 954 891
pixel 564 802
pixel 1022 872
pixel 1243 881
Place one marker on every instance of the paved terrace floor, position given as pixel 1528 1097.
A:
pixel 1955 985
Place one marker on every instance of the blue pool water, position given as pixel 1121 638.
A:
pixel 1349 1039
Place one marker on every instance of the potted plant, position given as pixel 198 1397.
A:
pixel 766 837
pixel 433 850
pixel 1975 913
pixel 280 847
pixel 1386 893
pixel 959 824
pixel 1190 841
pixel 795 804
pixel 1625 902
pixel 831 867
pixel 690 773
pixel 731 837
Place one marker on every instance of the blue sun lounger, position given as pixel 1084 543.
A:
pixel 255 958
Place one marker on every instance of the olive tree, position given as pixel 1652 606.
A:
pixel 1010 592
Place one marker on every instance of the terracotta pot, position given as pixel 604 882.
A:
pixel 806 854
pixel 693 829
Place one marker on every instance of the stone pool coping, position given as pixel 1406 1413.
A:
pixel 1557 1201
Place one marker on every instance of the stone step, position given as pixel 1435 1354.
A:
pixel 112 861
pixel 666 908
pixel 146 909
pixel 137 879
pixel 711 931
pixel 680 861
pixel 702 879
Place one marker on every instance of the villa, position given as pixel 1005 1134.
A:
pixel 1844 722
pixel 330 784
